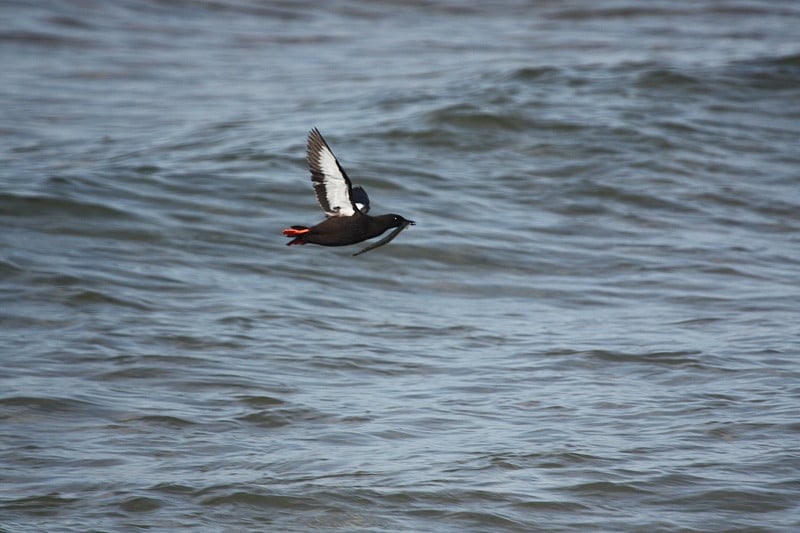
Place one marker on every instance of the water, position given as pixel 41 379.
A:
pixel 594 325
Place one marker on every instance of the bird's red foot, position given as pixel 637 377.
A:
pixel 293 232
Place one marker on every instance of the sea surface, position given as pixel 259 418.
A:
pixel 593 326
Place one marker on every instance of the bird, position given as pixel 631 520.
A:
pixel 345 206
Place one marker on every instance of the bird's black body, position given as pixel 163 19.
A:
pixel 342 231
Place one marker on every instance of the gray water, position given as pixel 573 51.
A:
pixel 594 325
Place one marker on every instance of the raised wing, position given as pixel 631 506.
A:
pixel 332 186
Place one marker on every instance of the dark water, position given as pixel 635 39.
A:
pixel 594 325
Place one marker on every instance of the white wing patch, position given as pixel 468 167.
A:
pixel 331 184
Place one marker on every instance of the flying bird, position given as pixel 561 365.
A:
pixel 345 206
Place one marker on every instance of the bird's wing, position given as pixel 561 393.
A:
pixel 360 198
pixel 386 239
pixel 332 186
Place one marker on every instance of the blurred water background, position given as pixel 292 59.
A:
pixel 594 325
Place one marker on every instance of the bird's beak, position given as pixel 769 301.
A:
pixel 412 223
